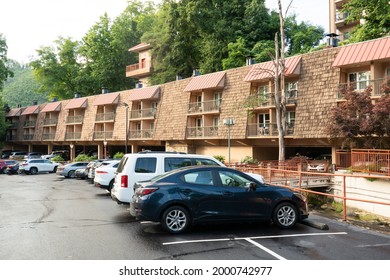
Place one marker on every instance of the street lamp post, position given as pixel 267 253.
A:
pixel 229 122
pixel 127 124
pixel 105 148
pixel 71 151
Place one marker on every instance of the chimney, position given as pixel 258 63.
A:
pixel 178 77
pixel 105 90
pixel 77 95
pixel 55 99
pixel 249 61
pixel 332 40
pixel 138 85
pixel 35 102
pixel 195 72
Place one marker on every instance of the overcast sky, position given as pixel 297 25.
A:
pixel 29 24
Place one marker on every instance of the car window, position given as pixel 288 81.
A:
pixel 199 177
pixel 145 165
pixel 122 164
pixel 205 161
pixel 232 179
pixel 115 165
pixel 171 163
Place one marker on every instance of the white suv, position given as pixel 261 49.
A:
pixel 33 166
pixel 146 165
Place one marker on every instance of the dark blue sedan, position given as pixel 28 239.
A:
pixel 199 194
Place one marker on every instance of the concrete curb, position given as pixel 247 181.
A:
pixel 315 224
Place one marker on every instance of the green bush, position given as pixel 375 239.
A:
pixel 118 155
pixel 220 158
pixel 249 160
pixel 82 157
pixel 57 159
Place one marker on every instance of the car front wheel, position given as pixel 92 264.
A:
pixel 176 219
pixel 72 174
pixel 285 215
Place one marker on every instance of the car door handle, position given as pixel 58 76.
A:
pixel 186 191
pixel 227 194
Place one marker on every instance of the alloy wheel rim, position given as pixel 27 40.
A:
pixel 176 220
pixel 286 215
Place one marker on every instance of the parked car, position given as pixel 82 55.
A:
pixel 105 174
pixel 97 163
pixel 320 163
pixel 80 173
pixel 32 155
pixel 4 163
pixel 62 153
pixel 192 195
pixel 19 155
pixel 5 154
pixel 69 170
pixel 34 166
pixel 146 165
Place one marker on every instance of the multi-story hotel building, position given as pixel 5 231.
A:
pixel 188 115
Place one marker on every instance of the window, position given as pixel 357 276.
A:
pixel 291 117
pixel 199 101
pixel 122 164
pixel 199 123
pixel 215 122
pixel 152 126
pixel 359 80
pixel 217 99
pixel 145 165
pixel 388 72
pixel 175 163
pixel 199 177
pixel 263 120
pixel 292 89
pixel 232 179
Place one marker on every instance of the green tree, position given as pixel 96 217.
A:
pixel 237 54
pixel 375 15
pixel 57 69
pixel 4 70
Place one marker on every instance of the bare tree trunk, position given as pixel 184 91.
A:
pixel 281 111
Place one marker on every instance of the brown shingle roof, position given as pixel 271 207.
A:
pixel 266 70
pixel 51 107
pixel 76 103
pixel 15 112
pixel 145 93
pixel 208 81
pixel 363 52
pixel 140 47
pixel 31 110
pixel 105 99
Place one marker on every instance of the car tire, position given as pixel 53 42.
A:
pixel 33 170
pixel 111 185
pixel 176 219
pixel 54 170
pixel 285 215
pixel 71 174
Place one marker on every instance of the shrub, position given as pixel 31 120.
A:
pixel 249 160
pixel 118 155
pixel 220 158
pixel 82 157
pixel 57 159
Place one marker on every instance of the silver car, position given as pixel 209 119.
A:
pixel 69 170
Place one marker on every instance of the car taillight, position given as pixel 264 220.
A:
pixel 124 181
pixel 101 172
pixel 24 164
pixel 146 191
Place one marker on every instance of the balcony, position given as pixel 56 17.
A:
pixel 378 87
pixel 141 134
pixel 267 129
pixel 139 70
pixel 202 132
pixel 102 135
pixel 149 113
pixel 73 135
pixel 30 123
pixel 105 117
pixel 28 136
pixel 74 119
pixel 50 122
pixel 212 106
pixel 267 100
pixel 48 136
pixel 14 125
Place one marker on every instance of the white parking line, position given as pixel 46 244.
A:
pixel 253 237
pixel 279 257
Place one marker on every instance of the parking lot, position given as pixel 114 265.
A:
pixel 48 217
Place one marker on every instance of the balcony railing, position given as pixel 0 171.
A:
pixel 73 135
pixel 11 137
pixel 202 107
pixel 141 134
pixel 30 123
pixel 102 135
pixel 74 119
pixel 28 136
pixel 377 87
pixel 104 117
pixel 48 136
pixel 144 113
pixel 268 129
pixel 139 69
pixel 267 100
pixel 202 132
pixel 14 125
pixel 50 121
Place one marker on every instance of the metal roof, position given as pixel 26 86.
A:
pixel 51 107
pixel 145 93
pixel 76 103
pixel 208 81
pixel 31 110
pixel 106 99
